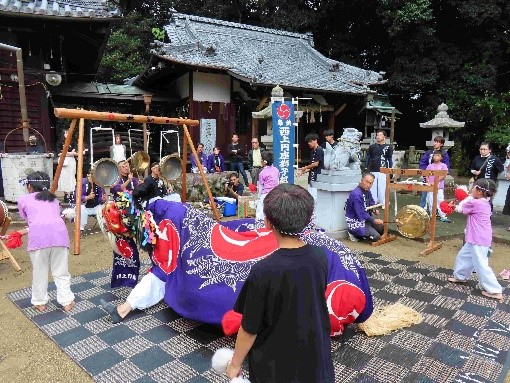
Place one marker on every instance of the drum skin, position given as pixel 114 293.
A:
pixel 4 212
pixel 412 221
pixel 171 167
pixel 105 172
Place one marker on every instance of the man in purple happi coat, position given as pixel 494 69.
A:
pixel 360 222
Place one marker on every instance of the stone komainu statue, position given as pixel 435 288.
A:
pixel 345 155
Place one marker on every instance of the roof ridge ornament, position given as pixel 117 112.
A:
pixel 210 50
pixel 277 91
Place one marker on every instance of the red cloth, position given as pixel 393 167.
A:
pixel 14 240
pixel 460 194
pixel 446 208
pixel 231 322
pixel 252 188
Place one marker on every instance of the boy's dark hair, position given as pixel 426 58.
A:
pixel 268 157
pixel 200 144
pixel 154 164
pixel 437 152
pixel 232 175
pixel 486 185
pixel 363 175
pixel 489 145
pixel 439 139
pixel 311 137
pixel 328 132
pixel 381 131
pixel 40 182
pixel 289 208
pixel 235 134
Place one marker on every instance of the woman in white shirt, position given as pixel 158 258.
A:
pixel 118 150
pixel 67 180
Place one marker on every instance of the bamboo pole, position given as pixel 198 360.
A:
pixel 147 98
pixel 62 157
pixel 202 174
pixel 107 116
pixel 184 161
pixel 79 177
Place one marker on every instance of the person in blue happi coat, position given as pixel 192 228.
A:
pixel 361 222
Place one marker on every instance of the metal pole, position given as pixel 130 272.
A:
pixel 21 83
pixel 392 126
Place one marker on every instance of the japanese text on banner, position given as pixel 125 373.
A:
pixel 283 139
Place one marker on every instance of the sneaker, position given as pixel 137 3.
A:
pixel 505 274
pixel 444 219
pixel 352 238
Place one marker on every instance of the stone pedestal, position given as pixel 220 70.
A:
pixel 15 167
pixel 499 199
pixel 333 189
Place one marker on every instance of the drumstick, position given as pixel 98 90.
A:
pixel 374 206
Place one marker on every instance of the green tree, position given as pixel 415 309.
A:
pixel 128 50
pixel 433 51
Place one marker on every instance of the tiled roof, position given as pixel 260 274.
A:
pixel 110 91
pixel 96 9
pixel 260 56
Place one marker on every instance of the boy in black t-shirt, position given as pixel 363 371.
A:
pixel 285 330
pixel 316 163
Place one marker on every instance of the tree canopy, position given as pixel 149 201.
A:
pixel 433 51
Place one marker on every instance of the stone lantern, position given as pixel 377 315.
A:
pixel 440 125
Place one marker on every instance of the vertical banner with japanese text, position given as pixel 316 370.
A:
pixel 283 139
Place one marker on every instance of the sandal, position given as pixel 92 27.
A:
pixel 455 280
pixel 497 296
pixel 112 311
pixel 40 308
pixel 69 307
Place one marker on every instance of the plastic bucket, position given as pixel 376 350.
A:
pixel 229 209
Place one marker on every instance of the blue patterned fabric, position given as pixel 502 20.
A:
pixel 210 261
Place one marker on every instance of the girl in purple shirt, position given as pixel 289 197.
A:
pixel 473 255
pixel 269 178
pixel 48 242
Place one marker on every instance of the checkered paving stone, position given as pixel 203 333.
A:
pixel 464 337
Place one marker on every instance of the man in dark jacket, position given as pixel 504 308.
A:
pixel 235 154
pixel 152 186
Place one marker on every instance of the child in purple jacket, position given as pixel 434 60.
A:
pixel 473 255
pixel 48 242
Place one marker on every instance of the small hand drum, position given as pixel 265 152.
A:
pixel 412 221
